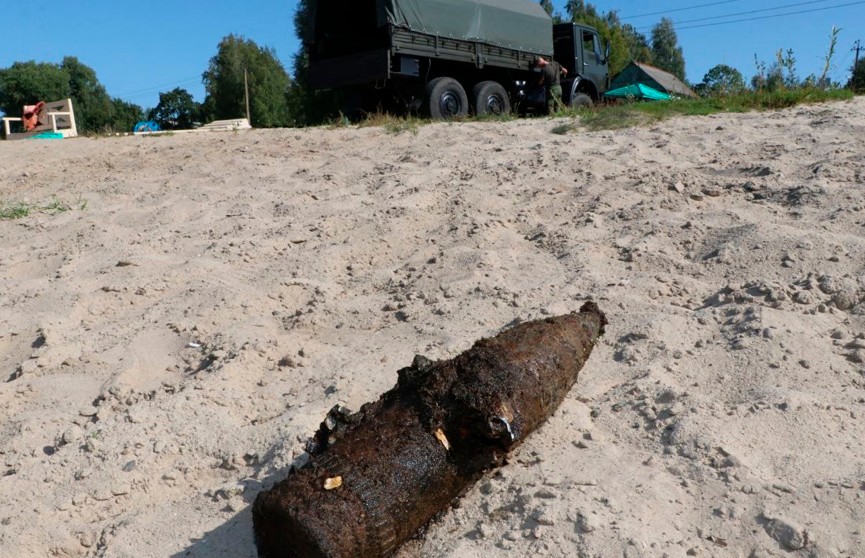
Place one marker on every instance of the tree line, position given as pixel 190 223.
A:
pixel 96 112
pixel 277 100
pixel 25 83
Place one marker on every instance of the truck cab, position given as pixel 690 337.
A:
pixel 578 48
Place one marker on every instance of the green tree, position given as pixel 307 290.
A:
pixel 780 75
pixel 92 104
pixel 666 52
pixel 722 80
pixel 857 79
pixel 309 106
pixel 26 83
pixel 548 7
pixel 636 44
pixel 823 80
pixel 626 43
pixel 176 110
pixel 268 83
pixel 125 115
pixel 299 96
pixel 786 62
pixel 579 10
pixel 760 81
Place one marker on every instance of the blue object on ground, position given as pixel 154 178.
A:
pixel 48 135
pixel 146 126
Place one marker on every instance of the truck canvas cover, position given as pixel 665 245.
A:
pixel 516 24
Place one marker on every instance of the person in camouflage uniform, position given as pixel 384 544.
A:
pixel 551 79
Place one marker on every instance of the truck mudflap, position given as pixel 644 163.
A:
pixel 353 69
pixel 569 89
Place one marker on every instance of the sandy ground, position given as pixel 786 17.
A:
pixel 169 341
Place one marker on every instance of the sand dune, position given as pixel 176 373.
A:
pixel 170 339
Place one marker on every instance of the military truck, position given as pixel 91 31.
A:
pixel 445 58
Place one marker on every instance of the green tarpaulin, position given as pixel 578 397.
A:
pixel 517 24
pixel 637 91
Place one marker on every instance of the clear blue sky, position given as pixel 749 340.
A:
pixel 141 48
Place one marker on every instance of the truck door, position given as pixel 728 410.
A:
pixel 591 61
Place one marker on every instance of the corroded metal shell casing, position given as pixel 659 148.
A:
pixel 376 476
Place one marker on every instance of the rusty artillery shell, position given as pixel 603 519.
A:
pixel 402 459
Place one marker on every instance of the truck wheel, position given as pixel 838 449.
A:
pixel 581 100
pixel 446 99
pixel 490 98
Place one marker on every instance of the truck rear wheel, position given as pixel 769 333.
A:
pixel 446 99
pixel 581 101
pixel 490 98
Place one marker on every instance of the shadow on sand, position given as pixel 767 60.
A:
pixel 235 538
pixel 232 539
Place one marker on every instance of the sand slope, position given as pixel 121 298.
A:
pixel 168 342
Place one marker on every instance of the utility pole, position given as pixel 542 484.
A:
pixel 246 90
pixel 857 48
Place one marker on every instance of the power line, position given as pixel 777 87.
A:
pixel 845 59
pixel 159 88
pixel 749 12
pixel 679 9
pixel 771 16
pixel 775 15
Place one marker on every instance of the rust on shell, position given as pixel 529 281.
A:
pixel 395 475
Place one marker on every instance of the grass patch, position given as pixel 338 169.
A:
pixel 565 128
pixel 56 206
pixel 378 119
pixel 400 124
pixel 341 121
pixel 621 116
pixel 617 117
pixel 19 210
pixel 633 114
pixel 393 124
pixel 494 117
pixel 16 211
